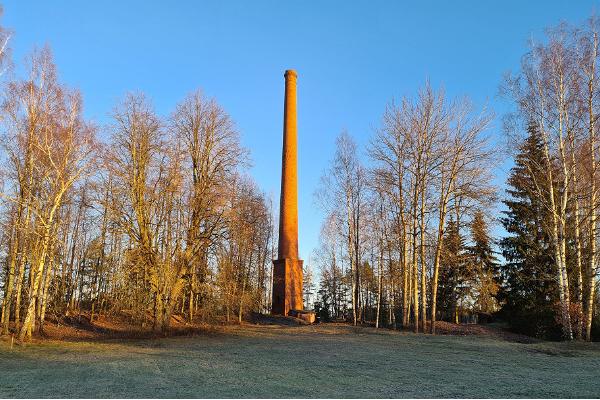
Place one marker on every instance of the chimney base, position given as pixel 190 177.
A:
pixel 287 286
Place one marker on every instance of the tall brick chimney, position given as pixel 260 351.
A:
pixel 287 269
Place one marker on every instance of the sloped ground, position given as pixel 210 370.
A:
pixel 78 327
pixel 327 360
pixel 488 330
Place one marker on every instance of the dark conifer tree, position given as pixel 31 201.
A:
pixel 453 272
pixel 529 291
pixel 484 265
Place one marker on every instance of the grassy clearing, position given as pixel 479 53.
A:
pixel 309 361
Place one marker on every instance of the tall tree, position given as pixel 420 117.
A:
pixel 454 272
pixel 529 289
pixel 342 193
pixel 50 147
pixel 145 177
pixel 485 265
pixel 213 153
pixel 430 151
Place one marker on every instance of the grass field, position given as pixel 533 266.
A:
pixel 309 361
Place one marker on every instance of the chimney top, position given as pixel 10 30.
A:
pixel 290 73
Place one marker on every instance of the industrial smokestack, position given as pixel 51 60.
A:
pixel 288 205
pixel 287 269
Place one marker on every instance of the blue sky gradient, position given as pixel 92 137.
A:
pixel 352 57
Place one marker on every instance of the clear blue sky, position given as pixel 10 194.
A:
pixel 352 57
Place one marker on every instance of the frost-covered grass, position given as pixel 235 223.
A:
pixel 316 361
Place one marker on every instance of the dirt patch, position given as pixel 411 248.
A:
pixel 264 319
pixel 447 328
pixel 80 327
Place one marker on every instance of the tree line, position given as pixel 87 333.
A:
pixel 156 218
pixel 407 238
pixel 389 227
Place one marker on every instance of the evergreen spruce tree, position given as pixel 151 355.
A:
pixel 484 266
pixel 529 292
pixel 323 305
pixel 453 273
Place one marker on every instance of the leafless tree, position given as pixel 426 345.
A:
pixel 342 194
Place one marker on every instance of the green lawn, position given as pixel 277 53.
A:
pixel 315 361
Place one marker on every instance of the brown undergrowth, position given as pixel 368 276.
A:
pixel 79 327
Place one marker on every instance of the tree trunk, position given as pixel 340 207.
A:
pixel 379 287
pixel 415 252
pixel 36 275
pixel 558 241
pixel 591 278
pixel 405 280
pixel 423 265
pixel 10 282
pixel 434 283
pixel 46 288
pixel 578 268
